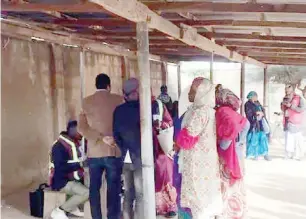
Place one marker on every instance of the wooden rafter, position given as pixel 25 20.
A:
pixel 274 55
pixel 200 7
pixel 260 44
pixel 79 6
pixel 94 22
pixel 281 59
pixel 22 32
pixel 240 23
pixel 137 12
pixel 269 50
pixel 211 35
pixel 193 23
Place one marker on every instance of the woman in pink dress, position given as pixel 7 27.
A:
pixel 232 129
pixel 164 189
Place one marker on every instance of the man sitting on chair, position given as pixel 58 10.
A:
pixel 67 173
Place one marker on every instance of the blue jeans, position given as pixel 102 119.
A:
pixel 113 168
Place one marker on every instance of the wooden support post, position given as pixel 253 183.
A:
pixel 125 68
pixel 164 73
pixel 148 209
pixel 266 92
pixel 242 88
pixel 82 74
pixel 179 79
pixel 212 67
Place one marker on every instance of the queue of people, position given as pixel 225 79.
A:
pixel 201 178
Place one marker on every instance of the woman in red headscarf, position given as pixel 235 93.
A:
pixel 232 129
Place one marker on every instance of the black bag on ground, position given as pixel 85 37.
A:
pixel 37 201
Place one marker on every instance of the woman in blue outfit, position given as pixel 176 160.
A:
pixel 257 139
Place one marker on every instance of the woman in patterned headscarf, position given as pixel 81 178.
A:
pixel 232 129
pixel 198 158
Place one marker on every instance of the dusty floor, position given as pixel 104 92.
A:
pixel 276 190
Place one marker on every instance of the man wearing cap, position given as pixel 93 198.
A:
pixel 96 124
pixel 66 172
pixel 165 98
pixel 293 108
pixel 127 135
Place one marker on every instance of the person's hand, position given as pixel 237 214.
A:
pixel 156 124
pixel 109 140
pixel 176 148
pixel 288 105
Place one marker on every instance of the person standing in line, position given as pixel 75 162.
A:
pixel 165 98
pixel 302 90
pixel 127 135
pixel 198 157
pixel 96 124
pixel 257 139
pixel 66 173
pixel 293 108
pixel 232 129
pixel 165 192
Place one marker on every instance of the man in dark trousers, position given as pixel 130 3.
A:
pixel 66 172
pixel 96 124
pixel 127 135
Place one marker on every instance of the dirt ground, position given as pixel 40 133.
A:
pixel 276 190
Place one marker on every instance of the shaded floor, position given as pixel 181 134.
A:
pixel 276 190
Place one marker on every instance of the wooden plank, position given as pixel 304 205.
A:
pixel 242 87
pixel 269 50
pixel 281 59
pixel 201 7
pixel 260 44
pixel 148 209
pixel 225 36
pixel 272 55
pixel 179 80
pixel 287 63
pixel 240 23
pixel 35 7
pixel 211 69
pixel 266 92
pixel 11 30
pixel 112 22
pixel 137 12
pixel 82 75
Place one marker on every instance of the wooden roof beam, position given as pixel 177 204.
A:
pixel 137 12
pixel 260 44
pixel 200 7
pixel 287 63
pixel 281 59
pixel 22 32
pixel 252 37
pixel 240 23
pixel 108 22
pixel 275 55
pixel 269 50
pixel 63 6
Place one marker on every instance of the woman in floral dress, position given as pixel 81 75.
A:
pixel 198 158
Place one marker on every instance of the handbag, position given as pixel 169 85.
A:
pixel 165 139
pixel 37 201
pixel 265 125
pixel 165 136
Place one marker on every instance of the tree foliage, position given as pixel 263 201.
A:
pixel 287 74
